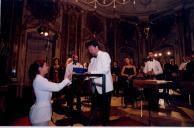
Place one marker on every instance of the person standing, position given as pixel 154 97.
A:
pixel 56 74
pixel 152 70
pixel 190 68
pixel 73 91
pixel 174 72
pixel 41 111
pixel 73 64
pixel 115 70
pixel 56 71
pixel 189 75
pixel 128 72
pixel 100 63
pixel 185 61
pixel 182 67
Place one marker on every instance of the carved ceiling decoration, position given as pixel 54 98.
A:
pixel 141 8
pixel 106 3
pixel 145 2
pixel 42 14
pixel 43 9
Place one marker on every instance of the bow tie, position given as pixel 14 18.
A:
pixel 95 56
pixel 74 63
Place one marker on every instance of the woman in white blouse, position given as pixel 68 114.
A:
pixel 41 111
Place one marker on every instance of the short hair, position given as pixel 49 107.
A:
pixel 151 51
pixel 74 55
pixel 92 43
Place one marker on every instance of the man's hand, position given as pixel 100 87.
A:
pixel 150 72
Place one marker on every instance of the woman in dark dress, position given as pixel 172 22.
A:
pixel 56 71
pixel 56 75
pixel 128 72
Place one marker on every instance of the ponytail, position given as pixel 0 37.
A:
pixel 34 68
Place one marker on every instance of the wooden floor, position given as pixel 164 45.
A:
pixel 177 113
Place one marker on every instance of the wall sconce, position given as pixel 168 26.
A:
pixel 46 33
pixel 43 31
pixel 146 32
pixel 168 53
pixel 160 54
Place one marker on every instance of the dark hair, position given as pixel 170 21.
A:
pixel 115 61
pixel 92 43
pixel 74 56
pixel 54 59
pixel 33 70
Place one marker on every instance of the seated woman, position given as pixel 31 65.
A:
pixel 128 72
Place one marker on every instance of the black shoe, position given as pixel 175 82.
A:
pixel 156 109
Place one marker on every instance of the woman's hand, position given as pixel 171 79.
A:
pixel 68 77
pixel 130 77
pixel 125 75
pixel 174 74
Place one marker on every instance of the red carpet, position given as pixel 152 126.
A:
pixel 125 121
pixel 23 121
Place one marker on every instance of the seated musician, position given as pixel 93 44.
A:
pixel 128 72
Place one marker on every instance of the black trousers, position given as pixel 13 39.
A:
pixel 129 92
pixel 102 102
pixel 73 91
pixel 152 96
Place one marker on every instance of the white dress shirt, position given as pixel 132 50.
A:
pixel 101 65
pixel 183 66
pixel 41 111
pixel 70 66
pixel 153 65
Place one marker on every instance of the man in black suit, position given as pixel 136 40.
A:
pixel 190 68
pixel 189 75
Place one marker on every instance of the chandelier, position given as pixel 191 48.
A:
pixel 106 3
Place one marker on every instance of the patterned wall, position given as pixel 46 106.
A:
pixel 118 36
